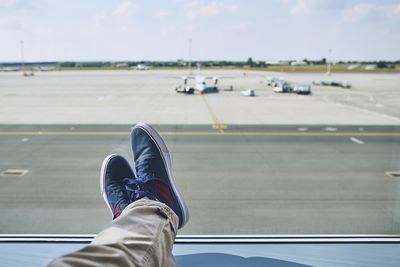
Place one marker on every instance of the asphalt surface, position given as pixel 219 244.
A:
pixel 270 164
pixel 237 179
pixel 123 97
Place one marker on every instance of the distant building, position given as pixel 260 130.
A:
pixel 370 67
pixel 354 67
pixel 298 63
pixel 121 65
pixel 181 62
pixel 140 67
pixel 277 62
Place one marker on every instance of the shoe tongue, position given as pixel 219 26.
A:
pixel 136 189
pixel 151 188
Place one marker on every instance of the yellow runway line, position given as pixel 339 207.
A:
pixel 206 133
pixel 216 123
pixel 283 134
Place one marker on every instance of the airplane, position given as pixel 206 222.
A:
pixel 141 67
pixel 43 68
pixel 9 69
pixel 200 85
pixel 15 69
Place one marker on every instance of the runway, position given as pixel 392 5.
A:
pixel 237 179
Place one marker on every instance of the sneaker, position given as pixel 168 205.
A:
pixel 154 172
pixel 114 170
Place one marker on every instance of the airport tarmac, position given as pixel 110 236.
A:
pixel 123 97
pixel 270 164
pixel 249 179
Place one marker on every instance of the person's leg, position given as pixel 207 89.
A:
pixel 144 233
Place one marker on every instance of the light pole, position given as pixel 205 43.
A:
pixel 22 57
pixel 328 70
pixel 190 56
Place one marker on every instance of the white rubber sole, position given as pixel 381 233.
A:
pixel 162 147
pixel 102 179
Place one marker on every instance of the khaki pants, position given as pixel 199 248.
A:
pixel 142 236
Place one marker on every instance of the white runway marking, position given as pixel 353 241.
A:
pixel 368 111
pixel 102 98
pixel 330 129
pixel 302 129
pixel 357 141
pixel 14 172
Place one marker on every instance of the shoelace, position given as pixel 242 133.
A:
pixel 139 188
pixel 145 168
pixel 148 185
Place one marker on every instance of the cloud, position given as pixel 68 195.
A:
pixel 372 12
pixel 7 3
pixel 15 17
pixel 397 9
pixel 98 19
pixel 395 12
pixel 6 21
pixel 124 8
pixel 161 14
pixel 306 7
pixel 302 6
pixel 358 12
pixel 168 30
pixel 202 9
pixel 355 12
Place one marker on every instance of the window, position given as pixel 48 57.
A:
pixel 311 150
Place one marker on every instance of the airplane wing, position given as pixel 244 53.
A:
pixel 188 77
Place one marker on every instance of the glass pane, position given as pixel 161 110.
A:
pixel 281 118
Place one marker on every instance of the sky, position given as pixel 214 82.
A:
pixel 119 30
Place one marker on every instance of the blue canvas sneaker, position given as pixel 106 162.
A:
pixel 114 170
pixel 154 172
